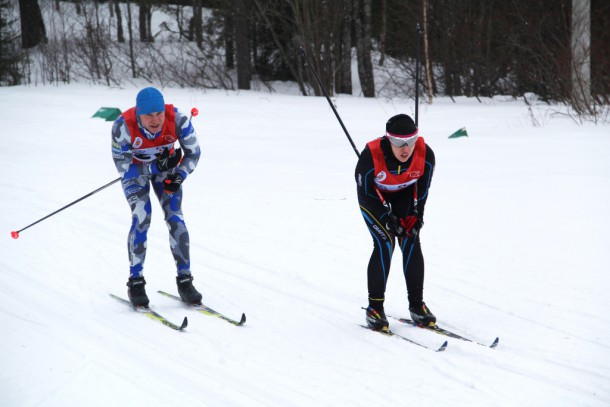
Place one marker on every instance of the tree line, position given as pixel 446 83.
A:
pixel 474 48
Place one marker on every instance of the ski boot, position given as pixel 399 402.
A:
pixel 376 320
pixel 136 292
pixel 187 292
pixel 421 315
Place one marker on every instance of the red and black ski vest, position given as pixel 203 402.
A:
pixel 388 182
pixel 146 150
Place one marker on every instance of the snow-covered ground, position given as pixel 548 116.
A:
pixel 516 246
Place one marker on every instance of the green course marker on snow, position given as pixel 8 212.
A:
pixel 460 133
pixel 108 113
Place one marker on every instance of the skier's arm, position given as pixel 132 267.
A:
pixel 424 182
pixel 187 137
pixel 369 200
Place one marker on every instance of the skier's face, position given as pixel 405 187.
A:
pixel 153 122
pixel 402 154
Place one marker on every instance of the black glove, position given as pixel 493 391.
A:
pixel 167 162
pixel 172 183
pixel 394 226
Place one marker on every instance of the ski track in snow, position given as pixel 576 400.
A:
pixel 515 246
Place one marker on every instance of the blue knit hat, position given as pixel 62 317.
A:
pixel 149 100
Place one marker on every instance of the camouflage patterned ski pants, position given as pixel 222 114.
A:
pixel 137 192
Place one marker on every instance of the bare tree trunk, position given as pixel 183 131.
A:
pixel 581 56
pixel 149 23
pixel 362 21
pixel 33 31
pixel 93 34
pixel 144 19
pixel 197 28
pixel 229 36
pixel 130 33
pixel 244 72
pixel 327 39
pixel 383 31
pixel 119 22
pixel 427 54
pixel 344 54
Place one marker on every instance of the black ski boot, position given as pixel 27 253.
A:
pixel 376 320
pixel 137 292
pixel 421 315
pixel 187 292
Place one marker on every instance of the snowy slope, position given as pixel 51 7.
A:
pixel 516 246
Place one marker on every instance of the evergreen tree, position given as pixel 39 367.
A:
pixel 10 54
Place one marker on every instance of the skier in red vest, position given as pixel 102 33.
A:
pixel 393 174
pixel 143 140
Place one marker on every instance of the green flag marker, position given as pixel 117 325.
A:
pixel 460 133
pixel 108 113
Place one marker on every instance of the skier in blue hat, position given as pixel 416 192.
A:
pixel 143 149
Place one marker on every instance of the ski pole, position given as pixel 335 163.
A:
pixel 15 233
pixel 383 201
pixel 329 101
pixel 385 204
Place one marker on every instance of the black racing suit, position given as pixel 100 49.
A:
pixel 376 216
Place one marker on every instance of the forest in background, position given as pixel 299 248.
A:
pixel 557 50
